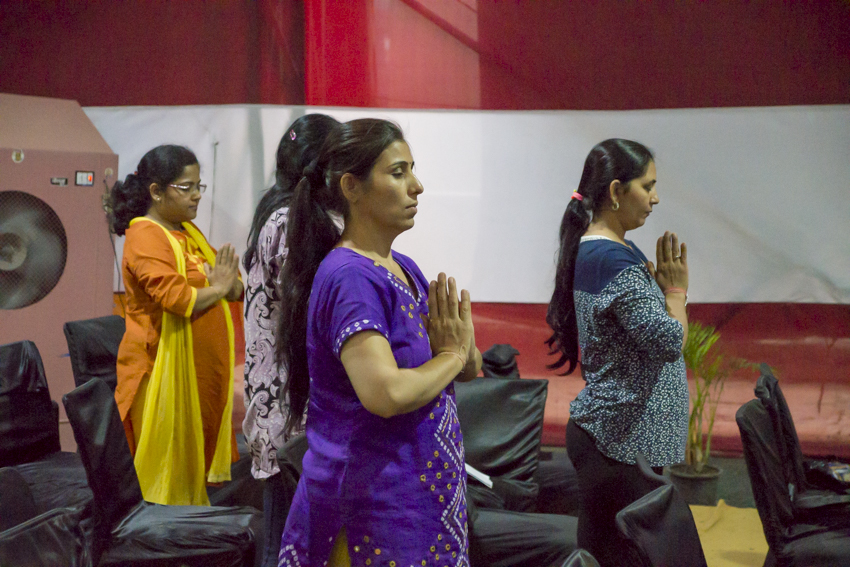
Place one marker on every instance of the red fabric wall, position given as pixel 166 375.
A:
pixel 477 54
pixel 158 52
pixel 593 55
pixel 631 55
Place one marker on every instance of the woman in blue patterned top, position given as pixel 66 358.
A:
pixel 627 318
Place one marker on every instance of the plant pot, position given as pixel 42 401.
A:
pixel 696 487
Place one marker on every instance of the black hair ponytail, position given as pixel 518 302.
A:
pixel 311 234
pixel 612 159
pixel 298 147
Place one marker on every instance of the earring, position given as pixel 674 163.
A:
pixel 615 206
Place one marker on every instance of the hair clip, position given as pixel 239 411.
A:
pixel 577 196
pixel 292 134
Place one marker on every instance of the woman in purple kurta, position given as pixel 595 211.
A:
pixel 383 480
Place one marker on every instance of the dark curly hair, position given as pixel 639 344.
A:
pixel 132 198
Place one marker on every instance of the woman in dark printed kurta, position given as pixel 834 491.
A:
pixel 628 320
pixel 266 411
pixel 383 480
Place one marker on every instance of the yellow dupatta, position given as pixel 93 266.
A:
pixel 170 453
pixel 220 466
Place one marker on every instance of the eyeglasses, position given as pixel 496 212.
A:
pixel 187 188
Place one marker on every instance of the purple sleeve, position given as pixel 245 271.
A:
pixel 355 302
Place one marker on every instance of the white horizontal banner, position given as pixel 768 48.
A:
pixel 760 195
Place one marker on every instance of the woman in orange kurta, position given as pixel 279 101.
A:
pixel 169 270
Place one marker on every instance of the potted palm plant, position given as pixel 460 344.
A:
pixel 695 478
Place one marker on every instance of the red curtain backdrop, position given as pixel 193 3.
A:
pixel 338 53
pixel 158 52
pixel 549 54
pixel 634 55
pixel 471 54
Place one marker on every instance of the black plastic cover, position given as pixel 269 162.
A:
pixel 499 361
pixel 57 481
pixel 662 528
pixel 52 539
pixel 815 504
pixel 93 348
pixel 500 538
pixel 29 419
pixel 16 502
pixel 131 532
pixel 558 482
pixel 502 421
pixel 580 558
pixel 788 539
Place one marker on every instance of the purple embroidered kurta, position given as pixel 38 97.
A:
pixel 398 485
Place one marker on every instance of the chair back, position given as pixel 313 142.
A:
pixel 93 348
pixel 103 448
pixel 660 525
pixel 766 470
pixel 502 421
pixel 29 419
pixel 770 394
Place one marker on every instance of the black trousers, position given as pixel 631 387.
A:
pixel 606 486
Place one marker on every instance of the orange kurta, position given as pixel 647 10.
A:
pixel 153 284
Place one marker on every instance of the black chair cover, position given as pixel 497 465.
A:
pixel 580 558
pixel 791 541
pixel 57 481
pixel 830 505
pixel 131 532
pixel 292 452
pixel 558 482
pixel 27 538
pixel 29 419
pixel 502 421
pixel 661 526
pixel 52 539
pixel 16 502
pixel 93 347
pixel 501 538
pixel 499 361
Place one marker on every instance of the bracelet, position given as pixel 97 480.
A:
pixel 677 290
pixel 453 353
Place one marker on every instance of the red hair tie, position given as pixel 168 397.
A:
pixel 577 196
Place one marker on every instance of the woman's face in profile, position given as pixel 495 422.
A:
pixel 390 194
pixel 636 203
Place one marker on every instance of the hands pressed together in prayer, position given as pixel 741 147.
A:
pixel 671 272
pixel 449 324
pixel 224 276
